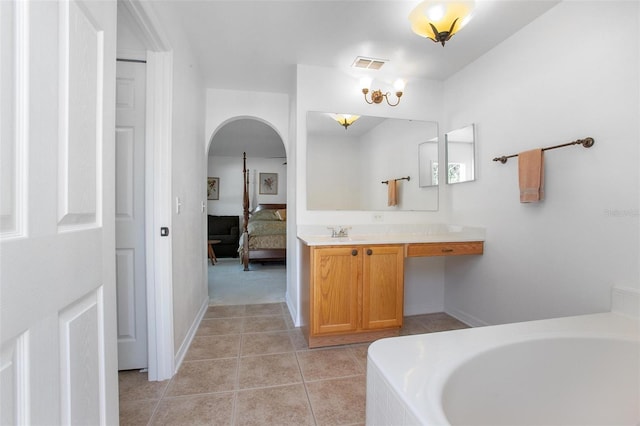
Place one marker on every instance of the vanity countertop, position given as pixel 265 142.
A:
pixel 398 234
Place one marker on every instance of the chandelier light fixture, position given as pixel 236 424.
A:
pixel 377 96
pixel 439 20
pixel 345 120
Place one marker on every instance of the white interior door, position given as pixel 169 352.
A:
pixel 130 215
pixel 58 352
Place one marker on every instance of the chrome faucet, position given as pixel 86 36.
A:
pixel 340 232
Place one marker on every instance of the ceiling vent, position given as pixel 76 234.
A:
pixel 368 63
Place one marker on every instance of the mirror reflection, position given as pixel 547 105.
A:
pixel 428 163
pixel 346 166
pixel 460 153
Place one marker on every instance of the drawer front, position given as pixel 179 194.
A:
pixel 444 249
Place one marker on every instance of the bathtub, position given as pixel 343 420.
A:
pixel 582 370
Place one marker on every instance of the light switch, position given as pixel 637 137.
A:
pixel 178 205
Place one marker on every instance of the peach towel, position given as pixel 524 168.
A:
pixel 393 193
pixel 531 175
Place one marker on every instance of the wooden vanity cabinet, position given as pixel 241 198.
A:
pixel 445 249
pixel 356 293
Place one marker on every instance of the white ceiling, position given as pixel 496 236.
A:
pixel 255 45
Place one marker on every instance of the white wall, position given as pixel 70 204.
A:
pixel 555 81
pixel 188 162
pixel 229 170
pixel 330 90
pixel 273 109
pixel 129 42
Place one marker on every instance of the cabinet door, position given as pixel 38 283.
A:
pixel 335 289
pixel 382 287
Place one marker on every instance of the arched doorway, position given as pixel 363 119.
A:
pixel 228 283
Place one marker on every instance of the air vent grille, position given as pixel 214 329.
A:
pixel 368 63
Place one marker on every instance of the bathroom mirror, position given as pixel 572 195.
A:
pixel 460 148
pixel 428 163
pixel 346 166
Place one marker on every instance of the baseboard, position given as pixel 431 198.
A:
pixel 421 308
pixel 625 301
pixel 184 347
pixel 292 309
pixel 470 320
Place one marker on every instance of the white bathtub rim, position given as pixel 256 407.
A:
pixel 441 377
pixel 426 402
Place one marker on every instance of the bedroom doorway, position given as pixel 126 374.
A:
pixel 229 192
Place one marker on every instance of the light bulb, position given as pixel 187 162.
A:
pixel 435 12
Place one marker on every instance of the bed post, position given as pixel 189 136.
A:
pixel 245 207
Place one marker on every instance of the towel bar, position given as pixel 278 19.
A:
pixel 587 143
pixel 386 182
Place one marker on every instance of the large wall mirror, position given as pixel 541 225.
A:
pixel 460 148
pixel 346 166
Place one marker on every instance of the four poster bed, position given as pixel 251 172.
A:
pixel 264 231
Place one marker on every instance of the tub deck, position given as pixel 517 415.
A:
pixel 406 376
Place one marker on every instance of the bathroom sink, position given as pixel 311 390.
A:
pixel 327 239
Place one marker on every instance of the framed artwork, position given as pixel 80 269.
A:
pixel 269 183
pixel 213 188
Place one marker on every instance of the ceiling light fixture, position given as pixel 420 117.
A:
pixel 439 20
pixel 345 120
pixel 377 96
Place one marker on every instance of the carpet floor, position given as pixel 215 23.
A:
pixel 229 284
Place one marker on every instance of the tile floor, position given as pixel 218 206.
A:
pixel 248 365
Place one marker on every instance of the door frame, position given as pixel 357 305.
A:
pixel 161 363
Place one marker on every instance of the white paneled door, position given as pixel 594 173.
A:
pixel 130 215
pixel 58 351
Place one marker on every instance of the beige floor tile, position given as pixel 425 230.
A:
pixel 136 413
pixel 214 326
pixel 225 311
pixel 264 323
pixel 288 320
pixel 134 385
pixel 266 343
pixel 268 370
pixel 263 386
pixel 298 340
pixel 282 406
pixel 360 353
pixel 213 409
pixel 212 347
pixel 263 309
pixel 440 322
pixel 207 376
pixel 328 363
pixel 338 401
pixel 412 326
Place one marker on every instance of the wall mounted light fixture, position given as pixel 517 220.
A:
pixel 439 20
pixel 377 96
pixel 345 120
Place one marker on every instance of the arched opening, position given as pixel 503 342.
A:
pixel 265 280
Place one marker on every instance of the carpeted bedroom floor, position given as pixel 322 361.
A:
pixel 229 284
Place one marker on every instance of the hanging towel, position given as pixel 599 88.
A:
pixel 393 192
pixel 531 176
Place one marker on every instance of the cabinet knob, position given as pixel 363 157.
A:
pixel 369 252
pixel 354 252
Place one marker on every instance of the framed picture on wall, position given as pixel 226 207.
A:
pixel 269 183
pixel 213 188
